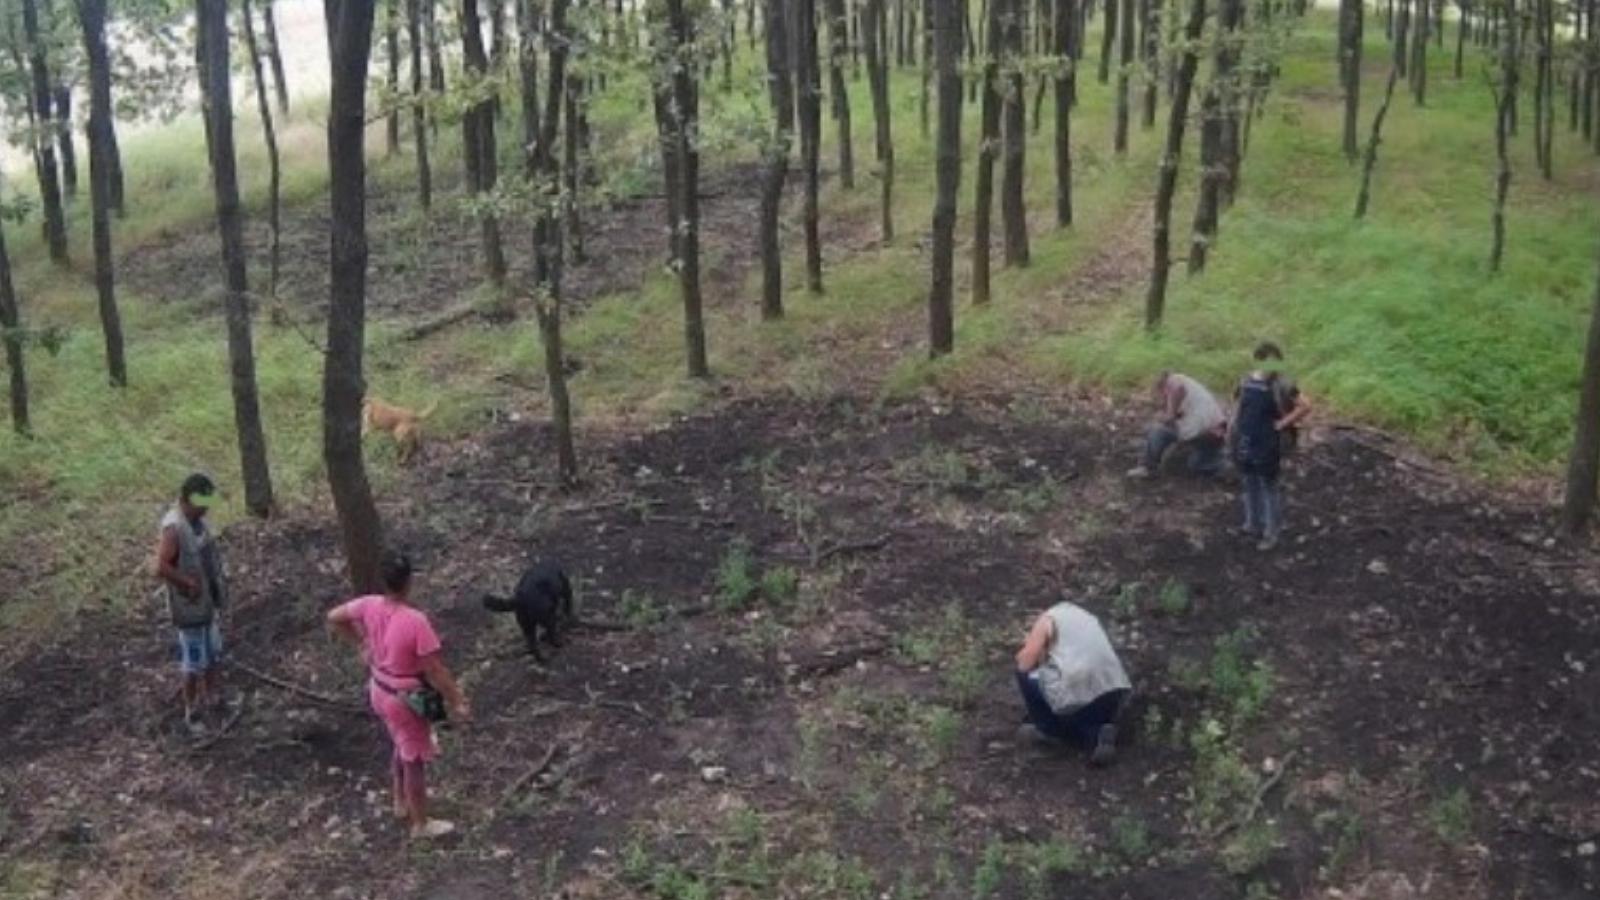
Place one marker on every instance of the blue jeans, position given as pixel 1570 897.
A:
pixel 1205 451
pixel 1081 726
pixel 1263 505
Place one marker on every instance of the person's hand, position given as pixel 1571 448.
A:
pixel 1280 425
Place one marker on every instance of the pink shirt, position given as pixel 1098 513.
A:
pixel 397 638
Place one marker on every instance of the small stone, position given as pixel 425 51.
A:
pixel 1586 849
pixel 1378 567
pixel 713 774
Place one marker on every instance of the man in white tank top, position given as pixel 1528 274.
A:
pixel 1072 682
pixel 1191 416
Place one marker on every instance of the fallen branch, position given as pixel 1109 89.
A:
pixel 220 733
pixel 679 612
pixel 439 323
pixel 527 777
pixel 1265 788
pixel 297 690
pixel 877 543
pixel 834 663
pixel 596 700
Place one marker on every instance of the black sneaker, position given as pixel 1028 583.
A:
pixel 1105 747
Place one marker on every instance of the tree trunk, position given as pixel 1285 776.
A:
pixel 478 141
pixel 1510 64
pixel 573 174
pixel 391 39
pixel 1462 25
pixel 92 19
pixel 988 147
pixel 275 55
pixel 927 64
pixel 1350 37
pixel 528 81
pixel 419 105
pixel 1065 35
pixel 1167 182
pixel 685 110
pixel 545 162
pixel 1583 466
pixel 436 80
pixel 69 153
pixel 777 163
pixel 343 384
pixel 809 90
pixel 1402 28
pixel 274 165
pixel 11 335
pixel 1013 207
pixel 1208 199
pixel 1108 38
pixel 1120 141
pixel 947 53
pixel 875 20
pixel 1151 14
pixel 1364 196
pixel 1419 54
pixel 211 17
pixel 55 228
pixel 1227 66
pixel 838 40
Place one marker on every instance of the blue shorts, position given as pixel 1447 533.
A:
pixel 199 648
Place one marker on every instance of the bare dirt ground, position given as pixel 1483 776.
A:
pixel 845 728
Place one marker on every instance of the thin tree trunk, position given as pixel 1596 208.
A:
pixel 1167 182
pixel 1013 207
pixel 1462 26
pixel 559 40
pixel 1350 34
pixel 1402 28
pixel 573 174
pixel 1227 65
pixel 838 40
pixel 528 81
pixel 275 55
pixel 1583 466
pixel 780 89
pixel 1108 38
pixel 1419 54
pixel 685 110
pixel 927 64
pixel 11 335
pixel 988 147
pixel 55 228
pixel 946 27
pixel 391 29
pixel 1365 195
pixel 69 153
pixel 419 104
pixel 809 100
pixel 1151 14
pixel 1211 173
pixel 343 384
pixel 211 17
pixel 274 165
pixel 1510 63
pixel 1120 140
pixel 92 19
pixel 875 20
pixel 436 78
pixel 479 149
pixel 1065 36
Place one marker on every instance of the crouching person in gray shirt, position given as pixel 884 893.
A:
pixel 1072 682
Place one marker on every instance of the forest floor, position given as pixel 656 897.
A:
pixel 810 587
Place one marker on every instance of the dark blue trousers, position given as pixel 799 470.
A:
pixel 1081 726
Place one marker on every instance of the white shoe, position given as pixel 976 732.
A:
pixel 1138 472
pixel 433 828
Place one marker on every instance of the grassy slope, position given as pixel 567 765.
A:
pixel 1395 320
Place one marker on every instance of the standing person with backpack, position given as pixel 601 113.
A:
pixel 409 686
pixel 1265 427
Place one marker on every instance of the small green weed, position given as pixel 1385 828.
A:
pixel 640 611
pixel 1126 604
pixel 1345 830
pixel 1451 816
pixel 991 871
pixel 966 676
pixel 1249 848
pixel 736 582
pixel 780 584
pixel 1130 839
pixel 1042 863
pixel 1173 600
pixel 1239 685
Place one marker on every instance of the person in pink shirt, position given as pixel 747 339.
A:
pixel 402 653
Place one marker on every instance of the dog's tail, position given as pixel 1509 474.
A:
pixel 429 411
pixel 497 604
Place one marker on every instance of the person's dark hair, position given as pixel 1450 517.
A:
pixel 394 570
pixel 1268 350
pixel 197 483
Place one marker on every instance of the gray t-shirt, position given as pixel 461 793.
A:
pixel 1199 413
pixel 1080 665
pixel 198 558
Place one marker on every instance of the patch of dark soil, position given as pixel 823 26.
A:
pixel 423 263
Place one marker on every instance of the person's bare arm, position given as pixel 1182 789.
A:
pixel 342 623
pixel 167 565
pixel 438 675
pixel 1302 409
pixel 1037 644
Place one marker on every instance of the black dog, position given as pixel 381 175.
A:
pixel 542 599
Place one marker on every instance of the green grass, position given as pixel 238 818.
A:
pixel 1395 320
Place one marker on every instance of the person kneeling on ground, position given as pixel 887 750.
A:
pixel 1191 416
pixel 403 653
pixel 189 563
pixel 1072 682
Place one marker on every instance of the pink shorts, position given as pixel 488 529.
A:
pixel 411 734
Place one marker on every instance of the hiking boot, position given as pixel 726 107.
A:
pixel 433 828
pixel 1105 747
pixel 1140 472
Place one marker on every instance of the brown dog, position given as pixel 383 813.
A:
pixel 404 425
